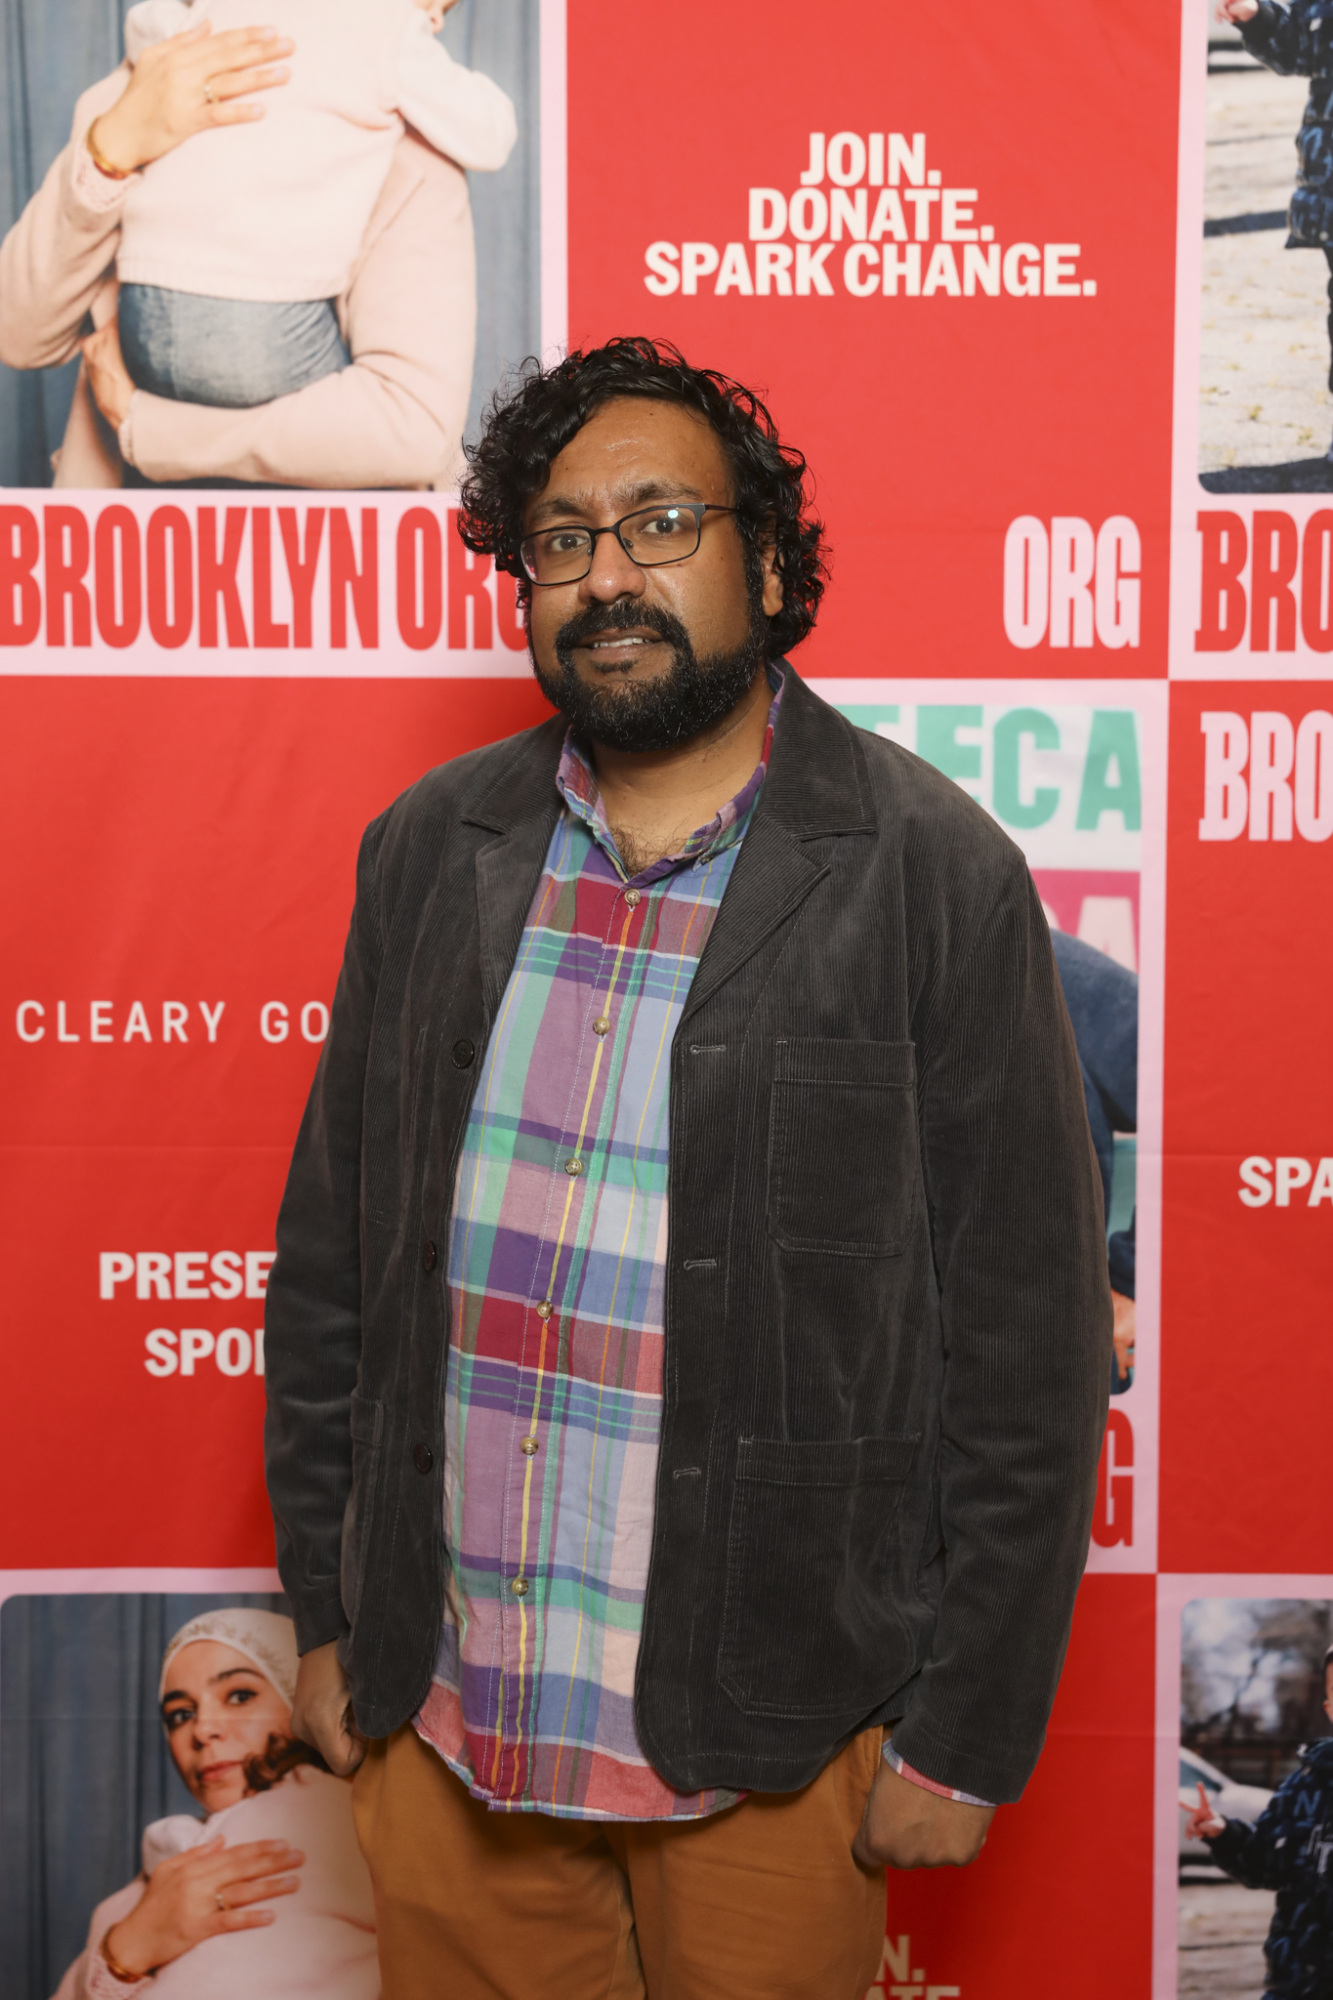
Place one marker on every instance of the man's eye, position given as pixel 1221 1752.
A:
pixel 663 526
pixel 564 542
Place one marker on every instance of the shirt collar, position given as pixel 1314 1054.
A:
pixel 577 782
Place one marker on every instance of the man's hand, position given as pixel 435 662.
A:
pixel 1122 1333
pixel 1203 1823
pixel 322 1711
pixel 905 1826
pixel 108 377
pixel 1237 10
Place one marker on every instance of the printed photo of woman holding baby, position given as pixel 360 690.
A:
pixel 258 245
pixel 255 1886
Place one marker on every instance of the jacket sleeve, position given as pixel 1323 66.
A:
pixel 1289 40
pixel 59 255
pixel 395 417
pixel 312 1320
pixel 1020 1256
pixel 1259 1856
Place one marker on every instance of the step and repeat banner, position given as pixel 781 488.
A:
pixel 1033 298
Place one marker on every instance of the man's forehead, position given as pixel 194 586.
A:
pixel 630 451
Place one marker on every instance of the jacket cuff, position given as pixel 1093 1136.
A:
pixel 317 1612
pixel 915 1777
pixel 955 1771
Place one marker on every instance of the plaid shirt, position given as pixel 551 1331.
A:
pixel 556 1265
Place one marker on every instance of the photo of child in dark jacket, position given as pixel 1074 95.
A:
pixel 1266 352
pixel 1287 1849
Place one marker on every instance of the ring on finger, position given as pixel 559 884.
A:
pixel 221 1900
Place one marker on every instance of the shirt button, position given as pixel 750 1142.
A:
pixel 428 1257
pixel 529 1447
pixel 520 1586
pixel 573 1168
pixel 423 1458
pixel 544 1308
pixel 633 897
pixel 464 1053
pixel 601 1025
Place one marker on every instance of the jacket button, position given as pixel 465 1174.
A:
pixel 423 1458
pixel 464 1054
pixel 428 1257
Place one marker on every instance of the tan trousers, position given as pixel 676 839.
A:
pixel 762 1902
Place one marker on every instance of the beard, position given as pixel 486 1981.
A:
pixel 631 715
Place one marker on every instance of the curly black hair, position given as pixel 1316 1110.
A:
pixel 532 419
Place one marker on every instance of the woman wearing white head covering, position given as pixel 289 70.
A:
pixel 267 1895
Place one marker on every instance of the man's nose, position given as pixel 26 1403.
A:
pixel 613 573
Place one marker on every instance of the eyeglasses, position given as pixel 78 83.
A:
pixel 650 537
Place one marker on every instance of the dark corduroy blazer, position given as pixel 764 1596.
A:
pixel 888 1324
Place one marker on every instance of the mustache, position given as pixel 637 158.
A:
pixel 623 616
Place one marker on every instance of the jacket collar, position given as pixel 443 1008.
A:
pixel 815 784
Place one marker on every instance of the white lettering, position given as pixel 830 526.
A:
pixel 227 1279
pixel 1119 558
pixel 663 277
pixel 1027 581
pixel 813 174
pixel 196 1345
pixel 1022 271
pixel 697 260
pixel 99 1021
pixel 735 272
pixel 152 1275
pixel 1314 775
pixel 860 273
pixel 1272 750
pixel 314 1021
pixel 1073 558
pixel 768 215
pixel 1061 279
pixel 807 215
pixel 234 1352
pixel 212 1016
pixel 846 159
pixel 956 213
pixel 113 1268
pixel 26 1007
pixel 190 1268
pixel 175 1014
pixel 274 1025
pixel 1225 794
pixel 137 1023
pixel 161 1345
pixel 258 1263
pixel 1292 1172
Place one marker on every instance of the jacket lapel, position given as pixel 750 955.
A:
pixel 814 789
pixel 521 808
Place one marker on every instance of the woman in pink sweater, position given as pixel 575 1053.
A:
pixel 267 1896
pixel 407 314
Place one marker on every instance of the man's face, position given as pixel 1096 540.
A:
pixel 642 658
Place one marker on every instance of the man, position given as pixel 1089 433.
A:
pixel 690 1334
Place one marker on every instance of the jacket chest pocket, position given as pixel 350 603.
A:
pixel 842 1153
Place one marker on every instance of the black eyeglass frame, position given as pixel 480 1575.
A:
pixel 696 507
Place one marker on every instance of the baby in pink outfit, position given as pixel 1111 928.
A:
pixel 235 245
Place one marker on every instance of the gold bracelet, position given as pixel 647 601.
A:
pixel 116 1970
pixel 101 162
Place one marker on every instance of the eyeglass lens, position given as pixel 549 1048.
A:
pixel 653 535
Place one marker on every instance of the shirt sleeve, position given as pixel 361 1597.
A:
pixel 462 113
pixel 895 1763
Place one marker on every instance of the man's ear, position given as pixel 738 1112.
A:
pixel 773 596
